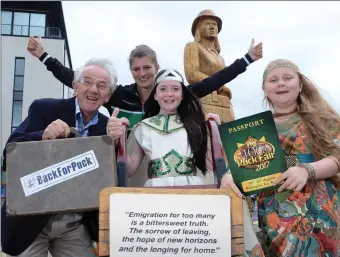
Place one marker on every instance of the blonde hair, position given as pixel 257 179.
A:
pixel 198 36
pixel 317 115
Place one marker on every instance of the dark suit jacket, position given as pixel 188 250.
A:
pixel 17 233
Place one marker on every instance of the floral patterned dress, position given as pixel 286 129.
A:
pixel 305 223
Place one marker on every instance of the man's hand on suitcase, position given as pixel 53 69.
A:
pixel 57 129
pixel 115 125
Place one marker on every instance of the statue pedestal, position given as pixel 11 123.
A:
pixel 220 105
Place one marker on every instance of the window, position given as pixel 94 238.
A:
pixel 6 23
pixel 21 23
pixel 19 67
pixel 18 90
pixel 18 83
pixel 37 24
pixel 17 110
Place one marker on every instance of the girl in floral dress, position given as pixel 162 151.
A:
pixel 301 218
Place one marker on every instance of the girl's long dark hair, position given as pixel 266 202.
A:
pixel 191 114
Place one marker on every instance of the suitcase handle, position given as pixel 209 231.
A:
pixel 121 160
pixel 121 155
pixel 74 133
pixel 217 151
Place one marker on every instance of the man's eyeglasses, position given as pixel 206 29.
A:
pixel 101 85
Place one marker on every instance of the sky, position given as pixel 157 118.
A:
pixel 307 33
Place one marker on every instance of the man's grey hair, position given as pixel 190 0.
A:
pixel 103 63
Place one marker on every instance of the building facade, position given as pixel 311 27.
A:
pixel 23 77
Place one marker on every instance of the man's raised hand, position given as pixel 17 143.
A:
pixel 35 46
pixel 115 125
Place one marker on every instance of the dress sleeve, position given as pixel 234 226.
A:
pixel 137 132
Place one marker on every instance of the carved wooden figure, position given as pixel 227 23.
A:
pixel 202 59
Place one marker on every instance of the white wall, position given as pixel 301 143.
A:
pixel 68 92
pixel 38 82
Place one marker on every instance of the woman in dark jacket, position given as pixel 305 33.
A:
pixel 144 67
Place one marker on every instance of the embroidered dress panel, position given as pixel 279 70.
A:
pixel 164 123
pixel 172 164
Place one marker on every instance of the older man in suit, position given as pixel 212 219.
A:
pixel 63 234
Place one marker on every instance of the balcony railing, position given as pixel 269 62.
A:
pixel 25 30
